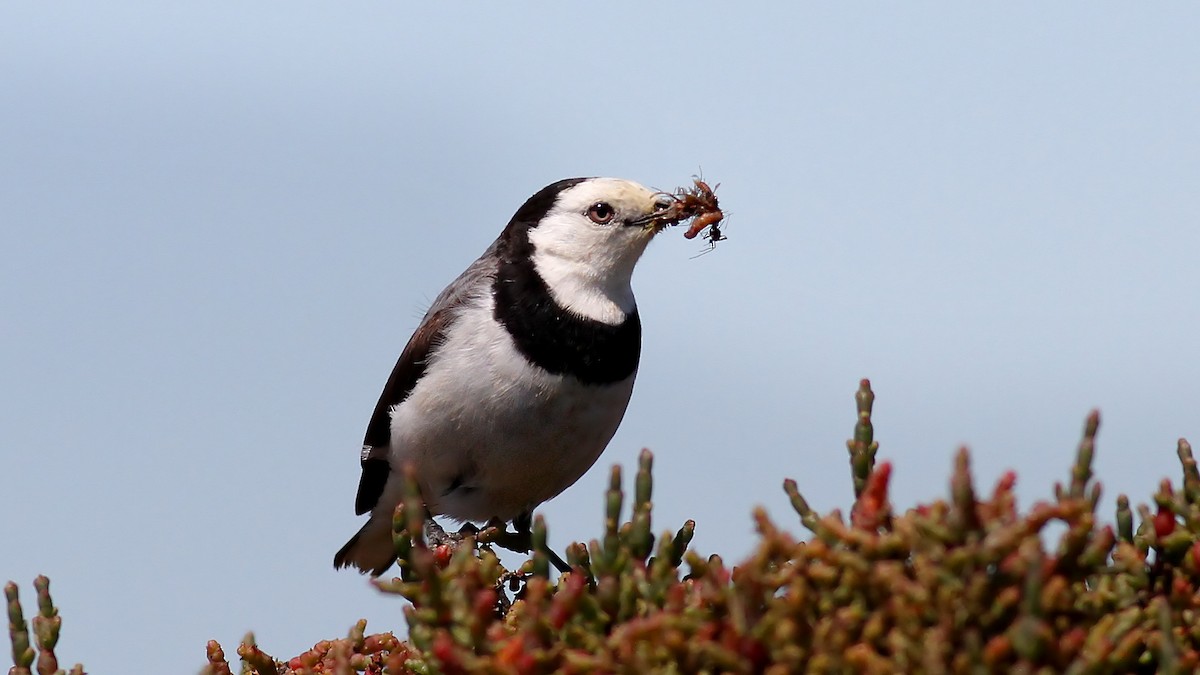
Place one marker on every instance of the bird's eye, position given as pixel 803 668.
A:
pixel 601 213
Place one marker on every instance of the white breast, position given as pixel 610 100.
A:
pixel 514 433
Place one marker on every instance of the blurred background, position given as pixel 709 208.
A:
pixel 220 223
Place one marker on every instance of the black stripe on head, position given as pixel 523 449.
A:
pixel 536 207
pixel 551 337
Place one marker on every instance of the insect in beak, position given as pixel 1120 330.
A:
pixel 698 203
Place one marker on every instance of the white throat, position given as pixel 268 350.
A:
pixel 597 289
pixel 587 263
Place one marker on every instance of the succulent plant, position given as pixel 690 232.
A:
pixel 964 584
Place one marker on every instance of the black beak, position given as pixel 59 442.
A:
pixel 664 213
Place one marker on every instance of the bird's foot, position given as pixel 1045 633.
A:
pixel 496 532
pixel 519 541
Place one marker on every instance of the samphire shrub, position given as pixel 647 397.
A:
pixel 964 584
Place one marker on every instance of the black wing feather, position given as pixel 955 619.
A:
pixel 409 369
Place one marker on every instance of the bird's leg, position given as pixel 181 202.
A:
pixel 523 527
pixel 521 539
pixel 496 532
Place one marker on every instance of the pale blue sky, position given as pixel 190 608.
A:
pixel 222 221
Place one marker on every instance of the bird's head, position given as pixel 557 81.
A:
pixel 584 236
pixel 601 220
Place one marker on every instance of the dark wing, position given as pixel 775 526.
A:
pixel 408 370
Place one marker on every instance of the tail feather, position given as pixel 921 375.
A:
pixel 370 549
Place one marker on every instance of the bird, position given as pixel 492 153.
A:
pixel 521 370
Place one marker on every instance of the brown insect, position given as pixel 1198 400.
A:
pixel 701 204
